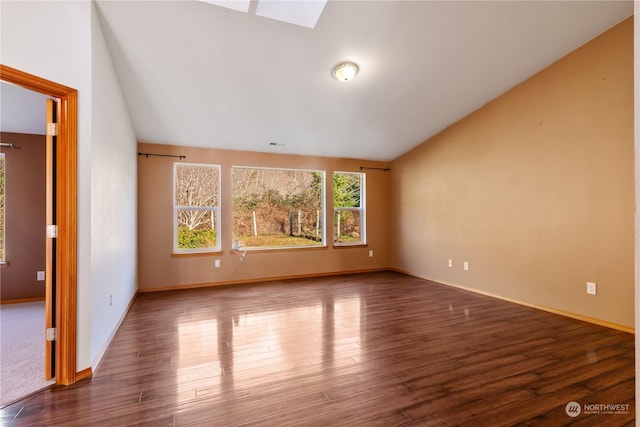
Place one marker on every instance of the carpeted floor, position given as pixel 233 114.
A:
pixel 21 350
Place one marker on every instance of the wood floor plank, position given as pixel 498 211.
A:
pixel 374 349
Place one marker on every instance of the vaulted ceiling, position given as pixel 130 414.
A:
pixel 198 74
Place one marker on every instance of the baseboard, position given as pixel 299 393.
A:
pixel 85 373
pixel 21 300
pixel 260 280
pixel 96 361
pixel 571 315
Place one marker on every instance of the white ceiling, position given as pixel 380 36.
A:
pixel 197 74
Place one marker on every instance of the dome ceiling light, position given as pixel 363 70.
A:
pixel 345 71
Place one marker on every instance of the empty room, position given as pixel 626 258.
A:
pixel 325 212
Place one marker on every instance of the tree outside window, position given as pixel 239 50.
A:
pixel 196 207
pixel 278 208
pixel 349 208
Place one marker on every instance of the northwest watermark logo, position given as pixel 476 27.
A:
pixel 573 408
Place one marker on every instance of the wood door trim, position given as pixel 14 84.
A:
pixel 66 210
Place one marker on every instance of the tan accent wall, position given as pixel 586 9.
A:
pixel 25 217
pixel 535 190
pixel 158 268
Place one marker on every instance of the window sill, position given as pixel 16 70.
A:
pixel 4 264
pixel 282 249
pixel 346 245
pixel 195 254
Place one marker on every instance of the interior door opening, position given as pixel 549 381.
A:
pixel 22 244
pixel 63 260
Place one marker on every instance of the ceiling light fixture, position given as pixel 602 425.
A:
pixel 345 71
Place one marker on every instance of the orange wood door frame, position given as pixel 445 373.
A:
pixel 66 213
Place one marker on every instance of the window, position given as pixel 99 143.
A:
pixel 278 208
pixel 196 208
pixel 349 208
pixel 2 206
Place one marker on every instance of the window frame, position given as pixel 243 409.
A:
pixel 215 209
pixel 323 207
pixel 362 210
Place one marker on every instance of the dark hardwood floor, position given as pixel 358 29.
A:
pixel 378 349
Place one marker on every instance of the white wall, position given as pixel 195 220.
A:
pixel 113 199
pixel 54 40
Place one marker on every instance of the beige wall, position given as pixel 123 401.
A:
pixel 158 268
pixel 25 192
pixel 535 190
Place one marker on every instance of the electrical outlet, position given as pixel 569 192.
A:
pixel 217 263
pixel 466 266
pixel 591 288
pixel 371 253
pixel 450 263
pixel 110 300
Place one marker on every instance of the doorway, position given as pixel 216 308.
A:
pixel 22 243
pixel 64 256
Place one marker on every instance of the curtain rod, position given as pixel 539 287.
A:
pixel 375 169
pixel 162 155
pixel 7 144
